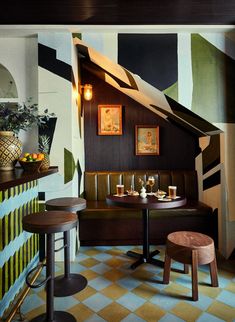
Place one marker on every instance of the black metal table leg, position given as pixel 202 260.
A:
pixel 146 256
pixel 68 284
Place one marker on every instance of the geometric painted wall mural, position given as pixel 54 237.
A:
pixel 69 168
pixel 213 82
pixel 18 248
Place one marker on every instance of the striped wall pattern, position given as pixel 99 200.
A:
pixel 18 248
pixel 16 264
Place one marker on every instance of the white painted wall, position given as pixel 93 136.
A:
pixel 57 94
pixel 105 43
pixel 19 56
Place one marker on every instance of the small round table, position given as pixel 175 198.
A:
pixel 145 204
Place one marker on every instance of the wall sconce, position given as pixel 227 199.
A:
pixel 87 91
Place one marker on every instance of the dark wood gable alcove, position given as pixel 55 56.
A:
pixel 178 147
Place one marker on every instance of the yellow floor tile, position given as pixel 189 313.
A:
pixel 186 312
pixel 89 274
pixel 230 287
pixel 89 262
pixel 81 312
pixel 208 290
pixel 114 291
pixel 115 252
pixel 84 294
pixel 91 252
pixel 113 275
pixel 222 311
pixel 177 289
pixel 38 311
pixel 150 312
pixel 114 262
pixel 145 291
pixel 143 275
pixel 42 294
pixel 114 312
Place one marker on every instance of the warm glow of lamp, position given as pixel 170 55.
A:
pixel 87 92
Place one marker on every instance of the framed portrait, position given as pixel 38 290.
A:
pixel 146 140
pixel 109 119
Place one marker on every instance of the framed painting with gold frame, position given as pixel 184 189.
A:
pixel 109 119
pixel 146 140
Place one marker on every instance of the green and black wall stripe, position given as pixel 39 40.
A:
pixel 17 263
pixel 11 224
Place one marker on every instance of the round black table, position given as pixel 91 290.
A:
pixel 145 204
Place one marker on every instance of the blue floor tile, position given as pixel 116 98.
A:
pixel 227 298
pixel 171 318
pixel 99 283
pixel 206 317
pixel 131 301
pixel 132 318
pixel 97 302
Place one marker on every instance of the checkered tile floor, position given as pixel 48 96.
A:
pixel 117 293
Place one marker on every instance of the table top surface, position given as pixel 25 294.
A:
pixel 150 202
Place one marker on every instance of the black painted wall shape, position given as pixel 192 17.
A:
pixel 151 56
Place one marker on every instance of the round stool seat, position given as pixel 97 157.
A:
pixel 68 204
pixel 181 243
pixel 193 248
pixel 43 223
pixel 69 283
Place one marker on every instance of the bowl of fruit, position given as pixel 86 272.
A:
pixel 31 162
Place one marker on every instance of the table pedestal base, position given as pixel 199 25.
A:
pixel 143 259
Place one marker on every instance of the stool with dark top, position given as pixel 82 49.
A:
pixel 193 248
pixel 67 284
pixel 49 224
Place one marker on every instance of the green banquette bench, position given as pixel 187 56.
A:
pixel 102 224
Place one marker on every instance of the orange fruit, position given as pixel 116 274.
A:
pixel 41 156
pixel 34 155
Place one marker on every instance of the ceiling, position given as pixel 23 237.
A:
pixel 118 12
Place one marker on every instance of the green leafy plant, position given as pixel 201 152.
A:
pixel 21 117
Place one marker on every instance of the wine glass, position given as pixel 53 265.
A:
pixel 151 182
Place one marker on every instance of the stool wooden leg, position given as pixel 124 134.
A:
pixel 167 269
pixel 194 275
pixel 186 269
pixel 214 273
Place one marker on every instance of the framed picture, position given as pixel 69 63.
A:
pixel 146 140
pixel 109 119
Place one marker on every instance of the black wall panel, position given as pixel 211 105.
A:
pixel 152 57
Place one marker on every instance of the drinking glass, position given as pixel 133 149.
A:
pixel 172 192
pixel 120 190
pixel 151 182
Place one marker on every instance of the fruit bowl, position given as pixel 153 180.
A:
pixel 31 166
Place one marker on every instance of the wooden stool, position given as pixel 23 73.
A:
pixel 49 224
pixel 193 248
pixel 67 284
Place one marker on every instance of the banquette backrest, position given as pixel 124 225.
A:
pixel 98 184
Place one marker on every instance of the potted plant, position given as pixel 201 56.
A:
pixel 14 118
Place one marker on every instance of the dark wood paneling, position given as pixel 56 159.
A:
pixel 177 147
pixel 118 12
